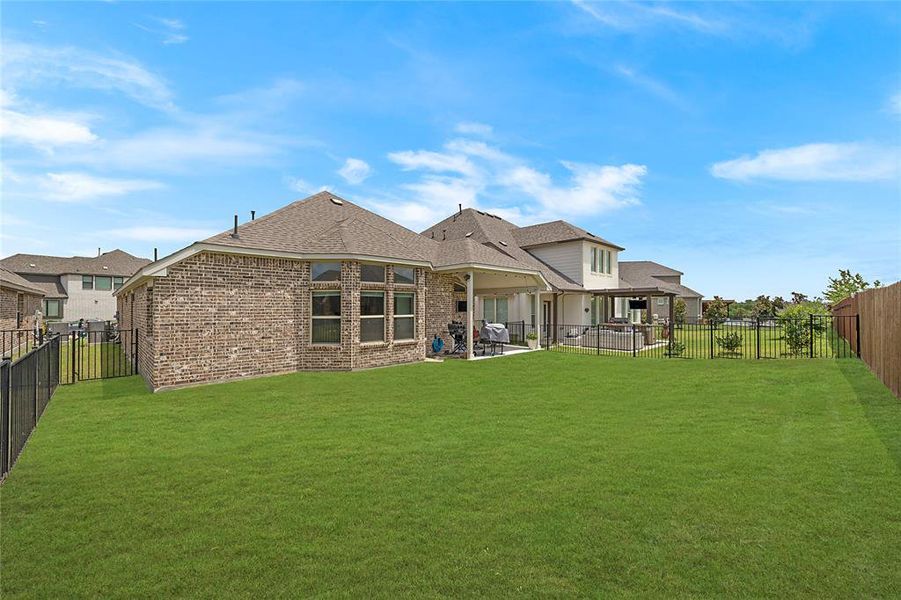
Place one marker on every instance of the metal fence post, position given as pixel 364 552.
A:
pixel 4 418
pixel 711 338
pixel 857 332
pixel 811 334
pixel 758 337
pixel 37 384
pixel 634 353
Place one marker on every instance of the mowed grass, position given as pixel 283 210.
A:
pixel 540 474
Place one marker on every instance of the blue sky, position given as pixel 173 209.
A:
pixel 756 147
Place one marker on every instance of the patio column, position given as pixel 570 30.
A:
pixel 539 316
pixel 470 288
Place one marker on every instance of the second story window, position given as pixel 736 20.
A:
pixel 87 282
pixel 103 283
pixel 405 275
pixel 372 273
pixel 594 260
pixel 117 282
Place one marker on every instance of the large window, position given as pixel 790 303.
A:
pixel 609 255
pixel 594 260
pixel 326 321
pixel 404 275
pixel 87 282
pixel 495 310
pixel 326 271
pixel 53 309
pixel 404 316
pixel 103 283
pixel 372 273
pixel 372 316
pixel 117 282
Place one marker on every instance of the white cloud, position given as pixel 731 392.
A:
pixel 81 187
pixel 162 233
pixel 302 186
pixel 474 128
pixel 26 65
pixel 592 189
pixel 355 171
pixel 410 160
pixel 651 85
pixel 814 162
pixel 42 131
pixel 170 31
pixel 631 16
pixel 478 175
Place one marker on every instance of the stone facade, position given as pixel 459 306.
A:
pixel 17 309
pixel 216 317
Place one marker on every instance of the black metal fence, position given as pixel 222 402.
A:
pixel 815 336
pixel 26 386
pixel 89 355
pixel 84 354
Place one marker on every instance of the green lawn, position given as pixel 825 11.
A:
pixel 540 474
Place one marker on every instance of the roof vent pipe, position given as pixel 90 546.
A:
pixel 154 255
pixel 253 215
pixel 235 232
pixel 98 252
pixel 460 206
pixel 444 234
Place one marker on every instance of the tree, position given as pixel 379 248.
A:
pixel 799 298
pixel 679 311
pixel 797 326
pixel 845 286
pixel 730 343
pixel 716 311
pixel 778 304
pixel 763 306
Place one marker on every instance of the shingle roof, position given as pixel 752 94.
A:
pixel 483 228
pixel 51 289
pixel 327 224
pixel 554 232
pixel 641 274
pixel 10 280
pixel 114 262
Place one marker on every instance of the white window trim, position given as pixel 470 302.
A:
pixel 405 316
pixel 313 317
pixel 381 316
pixel 91 277
pixel 594 260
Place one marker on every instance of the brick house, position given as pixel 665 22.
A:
pixel 325 284
pixel 20 302
pixel 318 284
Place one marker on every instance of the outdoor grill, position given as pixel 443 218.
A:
pixel 493 336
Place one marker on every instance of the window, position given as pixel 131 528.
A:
pixel 326 327
pixel 495 310
pixel 103 283
pixel 372 273
pixel 117 282
pixel 609 262
pixel 87 282
pixel 326 271
pixel 53 309
pixel 372 316
pixel 406 275
pixel 461 305
pixel 404 316
pixel 594 260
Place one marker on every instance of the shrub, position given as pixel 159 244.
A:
pixel 730 343
pixel 676 348
pixel 796 326
pixel 531 336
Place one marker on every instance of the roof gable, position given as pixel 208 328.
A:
pixel 115 262
pixel 556 232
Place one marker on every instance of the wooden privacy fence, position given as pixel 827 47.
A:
pixel 875 335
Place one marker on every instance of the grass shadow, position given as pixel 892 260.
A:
pixel 881 407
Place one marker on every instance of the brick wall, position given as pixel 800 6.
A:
pixel 216 317
pixel 12 303
pixel 135 309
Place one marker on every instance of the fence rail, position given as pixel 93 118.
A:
pixel 26 387
pixel 817 336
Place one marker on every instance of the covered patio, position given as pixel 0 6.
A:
pixel 485 280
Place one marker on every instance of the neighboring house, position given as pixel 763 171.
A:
pixel 76 287
pixel 646 273
pixel 325 284
pixel 20 302
pixel 590 285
